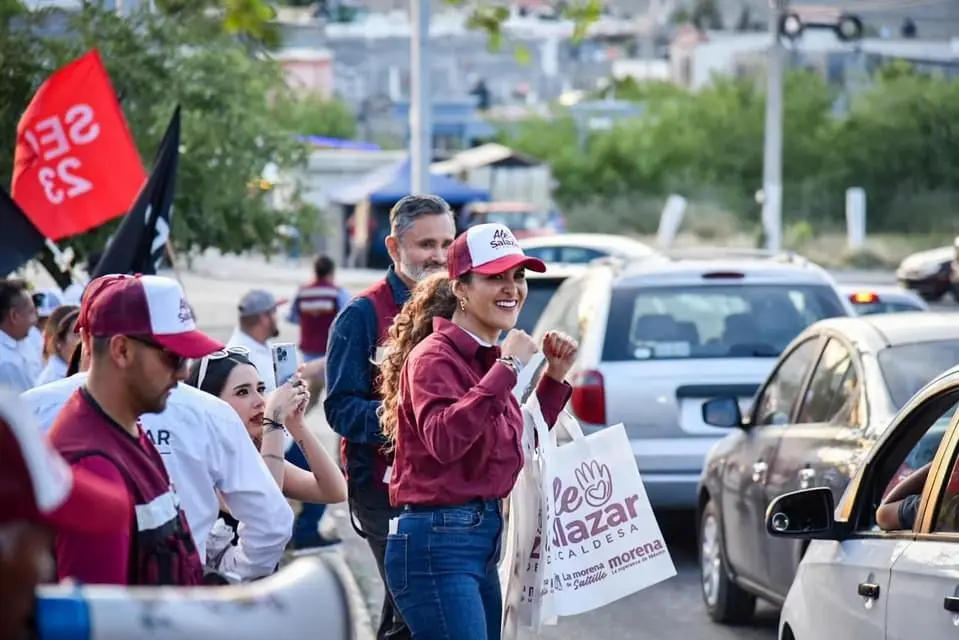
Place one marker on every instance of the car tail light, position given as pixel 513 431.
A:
pixel 723 275
pixel 589 397
pixel 864 297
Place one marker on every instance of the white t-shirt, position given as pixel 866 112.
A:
pixel 205 448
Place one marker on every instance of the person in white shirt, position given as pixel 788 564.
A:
pixel 231 376
pixel 207 452
pixel 59 342
pixel 256 327
pixel 19 365
pixel 46 301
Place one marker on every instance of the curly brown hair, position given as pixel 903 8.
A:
pixel 433 297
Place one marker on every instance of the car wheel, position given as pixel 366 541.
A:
pixel 726 602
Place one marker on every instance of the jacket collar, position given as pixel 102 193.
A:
pixel 463 342
pixel 401 293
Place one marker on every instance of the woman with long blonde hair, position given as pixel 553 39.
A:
pixel 450 415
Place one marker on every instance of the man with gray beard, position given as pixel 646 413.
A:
pixel 421 231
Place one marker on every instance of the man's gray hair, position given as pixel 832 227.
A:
pixel 411 208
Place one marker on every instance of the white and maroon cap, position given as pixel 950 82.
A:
pixel 147 306
pixel 37 485
pixel 489 249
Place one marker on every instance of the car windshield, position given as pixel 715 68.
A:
pixel 907 368
pixel 540 291
pixel 716 321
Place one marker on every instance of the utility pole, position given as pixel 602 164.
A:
pixel 773 148
pixel 421 104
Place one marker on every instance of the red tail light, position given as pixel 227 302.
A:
pixel 589 397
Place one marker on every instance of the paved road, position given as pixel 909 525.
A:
pixel 670 610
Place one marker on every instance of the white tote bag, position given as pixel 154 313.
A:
pixel 519 568
pixel 603 542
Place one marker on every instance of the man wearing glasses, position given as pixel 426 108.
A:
pixel 140 333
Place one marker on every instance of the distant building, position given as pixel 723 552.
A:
pixel 695 57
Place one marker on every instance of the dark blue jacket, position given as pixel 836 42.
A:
pixel 350 406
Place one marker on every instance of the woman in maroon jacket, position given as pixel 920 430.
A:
pixel 449 411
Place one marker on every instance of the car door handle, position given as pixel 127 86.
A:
pixel 869 590
pixel 759 470
pixel 806 477
pixel 951 603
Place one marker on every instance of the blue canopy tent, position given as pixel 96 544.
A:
pixel 386 185
pixel 450 189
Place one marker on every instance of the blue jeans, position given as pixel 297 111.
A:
pixel 307 525
pixel 441 571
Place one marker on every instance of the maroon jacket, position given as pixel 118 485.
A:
pixel 460 427
pixel 316 305
pixel 161 550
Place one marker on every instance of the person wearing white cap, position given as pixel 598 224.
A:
pixel 140 333
pixel 255 328
pixel 450 414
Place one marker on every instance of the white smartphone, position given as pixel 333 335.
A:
pixel 285 362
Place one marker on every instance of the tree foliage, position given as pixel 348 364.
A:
pixel 237 113
pixel 898 140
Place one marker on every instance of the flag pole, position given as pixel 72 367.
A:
pixel 171 256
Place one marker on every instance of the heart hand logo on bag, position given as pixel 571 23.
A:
pixel 596 482
pixel 586 511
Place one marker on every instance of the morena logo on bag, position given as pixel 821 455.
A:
pixel 503 238
pixel 637 555
pixel 587 517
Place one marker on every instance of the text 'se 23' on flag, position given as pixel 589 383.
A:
pixel 76 165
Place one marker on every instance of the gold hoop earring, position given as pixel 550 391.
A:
pixel 462 304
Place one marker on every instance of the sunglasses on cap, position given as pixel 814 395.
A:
pixel 177 362
pixel 219 355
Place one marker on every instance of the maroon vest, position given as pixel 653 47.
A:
pixel 316 304
pixel 384 304
pixel 162 551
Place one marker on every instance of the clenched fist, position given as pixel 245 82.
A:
pixel 560 351
pixel 518 345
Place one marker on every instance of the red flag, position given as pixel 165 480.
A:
pixel 76 165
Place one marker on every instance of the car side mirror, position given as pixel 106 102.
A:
pixel 804 514
pixel 722 412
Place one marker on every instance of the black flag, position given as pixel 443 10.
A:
pixel 139 243
pixel 20 241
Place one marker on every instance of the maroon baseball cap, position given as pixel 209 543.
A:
pixel 148 306
pixel 489 249
pixel 37 485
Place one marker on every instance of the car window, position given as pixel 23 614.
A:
pixel 947 512
pixel 562 311
pixel 779 396
pixel 922 432
pixel 833 395
pixel 546 254
pixel 907 368
pixel 579 255
pixel 540 291
pixel 716 321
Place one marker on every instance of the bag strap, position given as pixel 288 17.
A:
pixel 544 439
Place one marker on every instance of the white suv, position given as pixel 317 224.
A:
pixel 660 337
